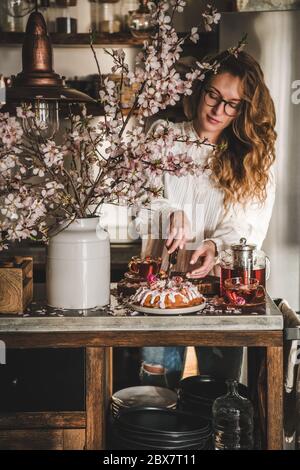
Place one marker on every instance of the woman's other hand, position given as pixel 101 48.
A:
pixel 207 250
pixel 180 231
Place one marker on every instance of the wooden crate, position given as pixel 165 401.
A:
pixel 16 284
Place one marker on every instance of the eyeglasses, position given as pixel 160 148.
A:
pixel 213 99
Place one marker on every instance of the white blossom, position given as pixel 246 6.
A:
pixel 25 112
pixel 38 172
pixel 211 16
pixel 194 37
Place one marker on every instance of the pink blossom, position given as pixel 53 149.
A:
pixel 52 154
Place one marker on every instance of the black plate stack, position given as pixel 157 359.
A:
pixel 197 394
pixel 159 428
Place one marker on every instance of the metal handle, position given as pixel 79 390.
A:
pixel 292 334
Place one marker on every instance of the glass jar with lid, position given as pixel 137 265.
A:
pixel 105 16
pixel 12 13
pixel 66 19
pixel 109 17
pixel 94 14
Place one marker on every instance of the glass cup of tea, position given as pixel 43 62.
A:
pixel 144 267
pixel 238 293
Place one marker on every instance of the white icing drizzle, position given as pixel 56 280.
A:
pixel 167 289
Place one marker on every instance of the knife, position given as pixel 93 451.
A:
pixel 172 261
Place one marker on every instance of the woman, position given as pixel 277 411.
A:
pixel 233 197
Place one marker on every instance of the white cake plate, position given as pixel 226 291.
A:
pixel 168 311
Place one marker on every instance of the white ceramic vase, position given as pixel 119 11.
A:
pixel 78 266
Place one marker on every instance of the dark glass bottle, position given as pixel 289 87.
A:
pixel 232 420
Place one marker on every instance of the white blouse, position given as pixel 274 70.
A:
pixel 203 205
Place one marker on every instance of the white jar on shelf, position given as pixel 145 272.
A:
pixel 109 18
pixel 66 20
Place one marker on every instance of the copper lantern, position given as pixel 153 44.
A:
pixel 38 84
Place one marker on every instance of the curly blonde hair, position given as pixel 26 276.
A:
pixel 240 165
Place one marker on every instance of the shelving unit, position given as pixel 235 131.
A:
pixel 207 40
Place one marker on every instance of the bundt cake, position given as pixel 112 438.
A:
pixel 168 293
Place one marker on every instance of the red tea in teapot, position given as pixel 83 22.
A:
pixel 256 273
pixel 238 293
pixel 243 260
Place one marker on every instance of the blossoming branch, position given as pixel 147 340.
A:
pixel 46 182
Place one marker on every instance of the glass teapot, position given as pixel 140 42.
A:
pixel 245 262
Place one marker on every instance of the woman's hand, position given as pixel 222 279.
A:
pixel 180 231
pixel 207 251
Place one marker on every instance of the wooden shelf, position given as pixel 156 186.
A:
pixel 80 39
pixel 103 39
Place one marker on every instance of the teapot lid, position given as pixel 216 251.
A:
pixel 243 246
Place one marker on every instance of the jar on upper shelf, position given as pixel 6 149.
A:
pixel 12 14
pixel 105 16
pixel 66 19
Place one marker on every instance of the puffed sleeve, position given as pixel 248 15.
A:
pixel 250 220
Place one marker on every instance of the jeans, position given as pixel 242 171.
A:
pixel 223 363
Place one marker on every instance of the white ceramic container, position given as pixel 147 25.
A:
pixel 78 266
